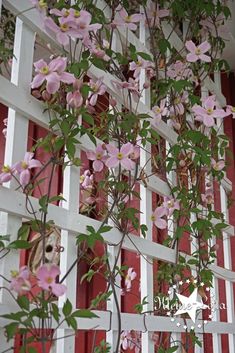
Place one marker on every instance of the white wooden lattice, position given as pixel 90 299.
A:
pixel 23 107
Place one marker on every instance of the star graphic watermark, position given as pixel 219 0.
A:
pixel 190 305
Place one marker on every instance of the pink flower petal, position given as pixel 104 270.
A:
pixel 112 162
pixel 58 289
pixel 98 166
pixel 24 177
pixel 204 47
pixel 190 46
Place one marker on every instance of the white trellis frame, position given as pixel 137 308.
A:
pixel 23 107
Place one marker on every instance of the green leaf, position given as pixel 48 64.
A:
pixel 88 118
pixel 84 313
pixel 23 232
pixel 172 349
pixel 19 244
pixel 71 321
pixel 105 229
pixel 55 312
pixel 145 56
pixel 67 308
pixel 23 302
pixel 11 330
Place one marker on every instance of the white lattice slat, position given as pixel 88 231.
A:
pixel 146 266
pixel 16 144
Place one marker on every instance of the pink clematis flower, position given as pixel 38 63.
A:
pixel 95 48
pixel 46 276
pixel 208 112
pixel 215 28
pixel 132 86
pixel 178 104
pixel 125 338
pixel 24 167
pixel 6 175
pixel 137 66
pixel 84 26
pixel 230 110
pixel 98 89
pixel 135 153
pixel 179 71
pixel 64 31
pixel 157 219
pixel 208 197
pixel 197 52
pixel 20 280
pixel 86 180
pixel 4 131
pixel 159 111
pixel 154 15
pixel 98 157
pixel 217 166
pixel 75 99
pixel 121 156
pixel 40 5
pixel 53 74
pixel 170 205
pixel 131 275
pixel 123 19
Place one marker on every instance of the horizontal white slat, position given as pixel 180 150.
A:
pixel 135 322
pixel 14 203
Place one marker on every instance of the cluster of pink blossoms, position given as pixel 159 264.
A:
pixel 165 210
pixel 21 168
pixel 46 279
pixel 70 23
pixel 111 157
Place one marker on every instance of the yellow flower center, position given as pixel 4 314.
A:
pixel 233 109
pixel 42 4
pixel 49 280
pixel 66 13
pixel 177 101
pixel 6 169
pixel 170 203
pixel 82 178
pixel 14 274
pixel 98 155
pixel 153 218
pixel 128 19
pixel 198 51
pixel 44 70
pixel 77 13
pixel 128 278
pixel 158 110
pixel 24 165
pixel 64 27
pixel 119 156
pixel 209 111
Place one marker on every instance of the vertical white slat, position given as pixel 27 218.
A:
pixel 226 242
pixel 71 189
pixel 214 291
pixel 0 7
pixel 112 335
pixel 16 143
pixel 171 176
pixel 146 267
